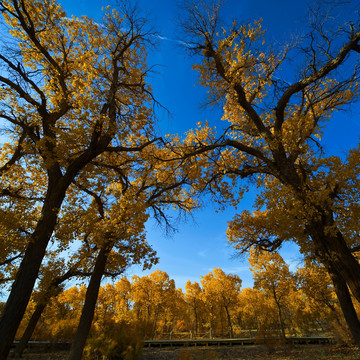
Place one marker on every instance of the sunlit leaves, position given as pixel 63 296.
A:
pixel 152 306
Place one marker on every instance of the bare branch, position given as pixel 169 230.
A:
pixel 18 153
pixel 331 65
pixel 10 260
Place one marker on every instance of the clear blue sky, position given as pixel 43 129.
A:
pixel 200 244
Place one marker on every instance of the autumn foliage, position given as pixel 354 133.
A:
pixel 281 304
pixel 83 168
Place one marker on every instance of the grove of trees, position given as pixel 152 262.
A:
pixel 83 167
pixel 151 307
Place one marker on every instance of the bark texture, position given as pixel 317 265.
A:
pixel 35 317
pixel 25 278
pixel 88 310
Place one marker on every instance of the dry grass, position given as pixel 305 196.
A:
pixel 252 352
pixel 59 355
pixel 316 352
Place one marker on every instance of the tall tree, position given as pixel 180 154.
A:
pixel 73 90
pixel 195 303
pixel 116 222
pixel 222 289
pixel 256 311
pixel 152 295
pixel 271 274
pixel 315 283
pixel 273 127
pixel 47 288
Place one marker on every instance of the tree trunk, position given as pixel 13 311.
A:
pixel 342 267
pixel 53 290
pixel 35 317
pixel 229 322
pixel 196 319
pixel 344 262
pixel 281 320
pixel 347 306
pixel 88 310
pixel 332 250
pixel 27 274
pixel 336 315
pixel 29 268
pixel 156 314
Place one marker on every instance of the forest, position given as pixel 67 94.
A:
pixel 84 166
pixel 281 304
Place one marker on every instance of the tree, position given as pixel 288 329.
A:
pixel 283 220
pixel 122 304
pixel 42 297
pixel 120 243
pixel 315 283
pixel 272 132
pixel 152 295
pixel 271 274
pixel 77 94
pixel 255 311
pixel 61 315
pixel 114 332
pixel 222 289
pixel 193 297
pixel 118 217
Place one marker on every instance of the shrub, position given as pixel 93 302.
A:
pixel 114 341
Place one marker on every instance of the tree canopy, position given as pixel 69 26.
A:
pixel 271 137
pixel 74 98
pixel 84 165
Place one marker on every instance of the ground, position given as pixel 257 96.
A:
pixel 315 352
pixel 252 352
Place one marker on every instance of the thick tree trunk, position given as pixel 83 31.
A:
pixel 29 268
pixel 53 290
pixel 341 258
pixel 329 243
pixel 35 317
pixel 332 250
pixel 88 310
pixel 342 267
pixel 347 306
pixel 27 274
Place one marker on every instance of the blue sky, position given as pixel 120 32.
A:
pixel 200 244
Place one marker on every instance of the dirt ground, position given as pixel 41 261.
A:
pixel 251 352
pixel 316 352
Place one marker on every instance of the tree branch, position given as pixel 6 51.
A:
pixel 331 65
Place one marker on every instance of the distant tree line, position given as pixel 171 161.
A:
pixel 281 304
